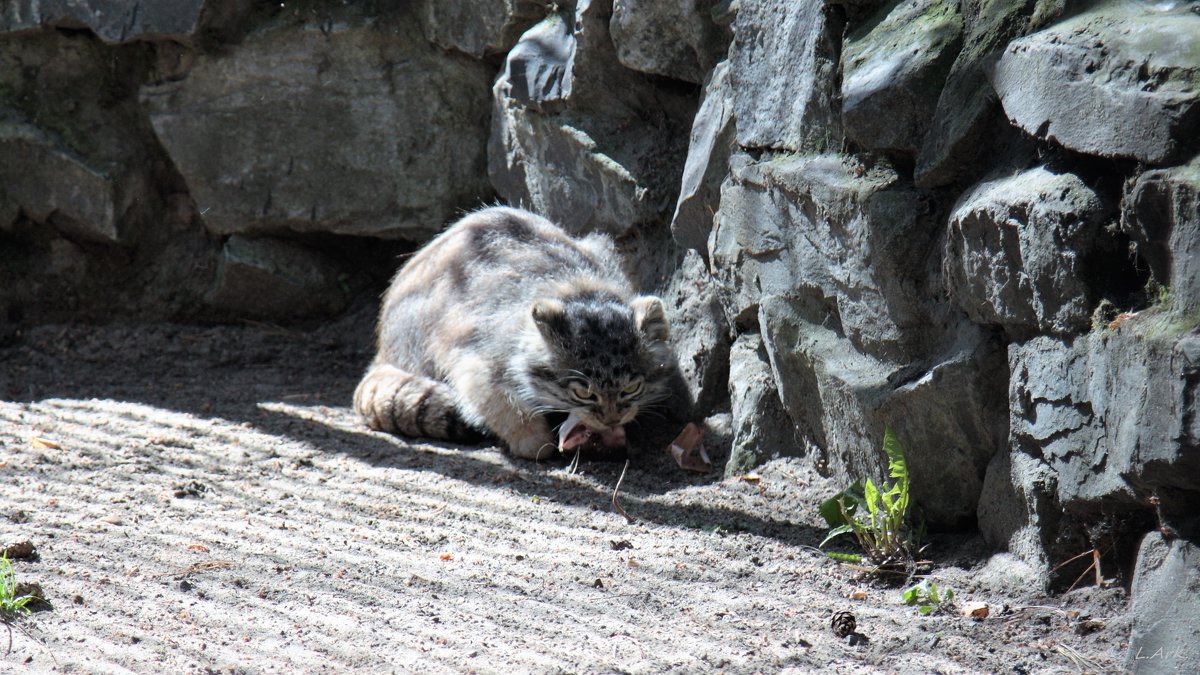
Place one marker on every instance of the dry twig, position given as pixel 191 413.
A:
pixel 1081 662
pixel 631 520
pixel 9 624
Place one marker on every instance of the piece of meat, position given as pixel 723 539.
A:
pixel 688 450
pixel 574 433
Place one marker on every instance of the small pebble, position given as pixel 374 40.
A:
pixel 18 549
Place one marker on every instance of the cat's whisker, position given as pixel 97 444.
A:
pixel 649 413
pixel 548 410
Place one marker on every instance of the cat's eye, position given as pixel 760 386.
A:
pixel 582 392
pixel 632 388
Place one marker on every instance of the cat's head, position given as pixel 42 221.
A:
pixel 602 358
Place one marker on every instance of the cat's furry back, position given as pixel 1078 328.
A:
pixel 503 319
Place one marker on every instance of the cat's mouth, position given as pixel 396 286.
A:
pixel 575 432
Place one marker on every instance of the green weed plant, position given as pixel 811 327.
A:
pixel 10 602
pixel 928 597
pixel 878 518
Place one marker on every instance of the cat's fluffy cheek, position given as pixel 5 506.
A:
pixel 629 415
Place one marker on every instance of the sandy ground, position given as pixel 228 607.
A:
pixel 202 499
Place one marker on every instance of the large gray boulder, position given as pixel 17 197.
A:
pixel 568 59
pixel 1098 426
pixel 856 241
pixel 1017 249
pixel 1161 212
pixel 479 28
pixel 44 180
pixel 762 429
pixel 578 170
pixel 78 156
pixel 835 260
pixel 538 69
pixel 579 138
pixel 699 331
pixel 342 126
pixel 964 123
pixel 274 279
pixel 1116 81
pixel 675 38
pixel 1114 412
pixel 1019 513
pixel 893 69
pixel 947 409
pixel 1166 608
pixel 713 139
pixel 784 68
pixel 111 20
pixel 80 167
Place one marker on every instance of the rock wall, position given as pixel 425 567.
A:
pixel 976 222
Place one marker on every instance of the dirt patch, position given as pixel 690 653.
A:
pixel 202 498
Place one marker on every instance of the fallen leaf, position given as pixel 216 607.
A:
pixel 447 556
pixel 858 595
pixel 113 520
pixel 750 478
pixel 975 610
pixel 39 442
pixel 198 547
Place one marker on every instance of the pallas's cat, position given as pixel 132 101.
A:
pixel 505 324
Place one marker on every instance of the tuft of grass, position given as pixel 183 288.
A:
pixel 878 518
pixel 1158 293
pixel 928 597
pixel 10 602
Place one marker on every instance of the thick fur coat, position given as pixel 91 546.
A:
pixel 504 323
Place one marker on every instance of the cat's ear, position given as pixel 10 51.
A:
pixel 651 318
pixel 550 317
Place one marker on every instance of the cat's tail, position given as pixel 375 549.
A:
pixel 397 401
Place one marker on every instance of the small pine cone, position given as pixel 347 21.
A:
pixel 843 624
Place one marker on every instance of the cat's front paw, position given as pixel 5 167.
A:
pixel 531 446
